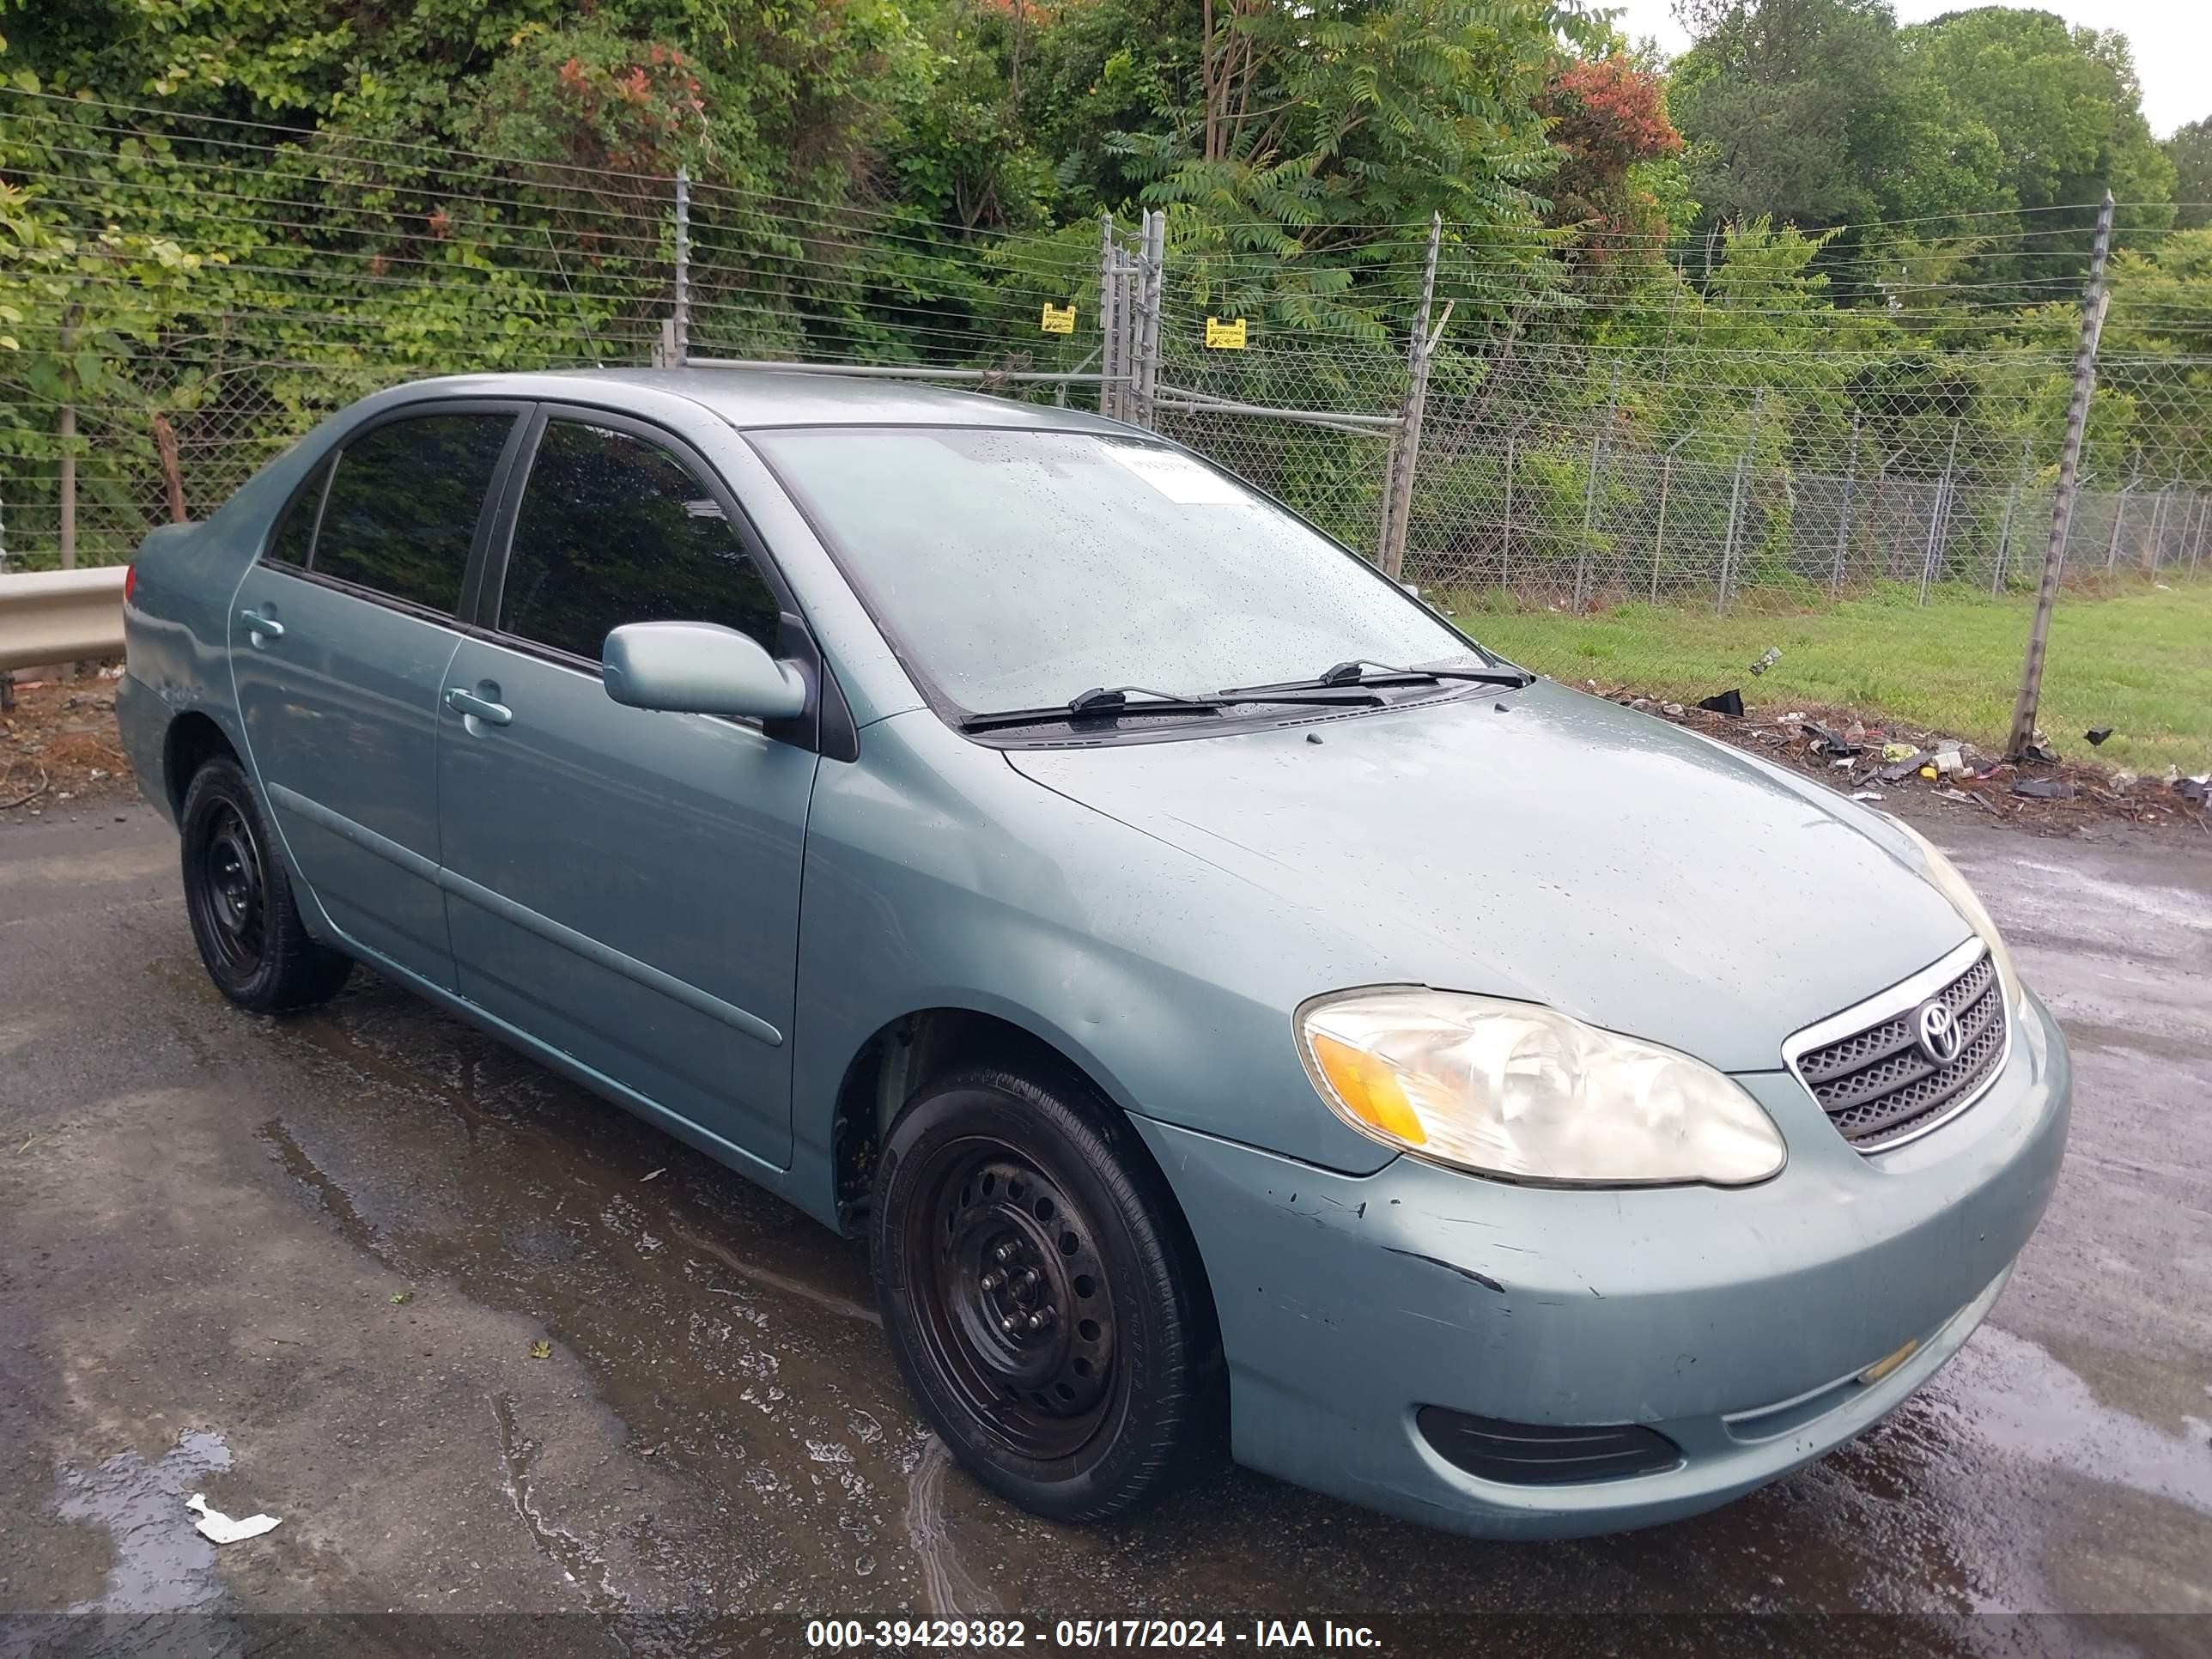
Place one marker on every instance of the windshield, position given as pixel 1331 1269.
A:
pixel 1019 568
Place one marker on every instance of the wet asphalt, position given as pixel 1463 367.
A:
pixel 308 1268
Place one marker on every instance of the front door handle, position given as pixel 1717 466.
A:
pixel 261 627
pixel 483 708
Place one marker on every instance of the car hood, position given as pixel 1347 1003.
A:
pixel 1548 845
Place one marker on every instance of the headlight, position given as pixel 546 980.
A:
pixel 1944 876
pixel 1512 1089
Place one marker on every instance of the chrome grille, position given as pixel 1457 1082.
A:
pixel 1876 1086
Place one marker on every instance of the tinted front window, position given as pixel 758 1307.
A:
pixel 403 507
pixel 1021 568
pixel 615 530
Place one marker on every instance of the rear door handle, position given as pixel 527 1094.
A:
pixel 262 627
pixel 467 702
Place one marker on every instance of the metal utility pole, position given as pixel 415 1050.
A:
pixel 2061 507
pixel 1405 452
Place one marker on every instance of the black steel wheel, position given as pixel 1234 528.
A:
pixel 1016 1310
pixel 239 903
pixel 232 894
pixel 1042 1296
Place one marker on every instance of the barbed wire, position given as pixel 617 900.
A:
pixel 1721 439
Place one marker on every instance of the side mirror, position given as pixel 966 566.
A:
pixel 699 668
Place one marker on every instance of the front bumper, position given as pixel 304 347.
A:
pixel 1735 1322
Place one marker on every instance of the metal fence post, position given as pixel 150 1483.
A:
pixel 66 430
pixel 1600 445
pixel 1844 518
pixel 2004 534
pixel 1406 446
pixel 1109 356
pixel 680 312
pixel 1939 518
pixel 2120 514
pixel 1152 264
pixel 2061 507
pixel 1505 541
pixel 1736 499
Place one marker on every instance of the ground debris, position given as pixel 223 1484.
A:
pixel 58 745
pixel 219 1528
pixel 1848 751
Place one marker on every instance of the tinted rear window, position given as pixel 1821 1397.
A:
pixel 403 508
pixel 295 540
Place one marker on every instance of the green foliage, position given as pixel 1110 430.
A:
pixel 1823 114
pixel 2190 151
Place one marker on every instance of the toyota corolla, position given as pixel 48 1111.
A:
pixel 1241 1011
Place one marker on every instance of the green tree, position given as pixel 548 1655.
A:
pixel 1774 97
pixel 2190 149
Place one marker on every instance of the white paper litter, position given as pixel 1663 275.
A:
pixel 219 1528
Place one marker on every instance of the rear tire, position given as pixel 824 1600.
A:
pixel 239 900
pixel 1042 1296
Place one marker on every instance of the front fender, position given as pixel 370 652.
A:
pixel 936 876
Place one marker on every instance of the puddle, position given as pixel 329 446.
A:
pixel 947 1591
pixel 2011 1394
pixel 578 1562
pixel 162 1564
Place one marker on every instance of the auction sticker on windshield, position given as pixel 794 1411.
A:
pixel 1180 479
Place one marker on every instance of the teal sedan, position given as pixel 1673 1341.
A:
pixel 1244 1014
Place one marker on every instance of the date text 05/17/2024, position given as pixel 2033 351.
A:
pixel 832 1634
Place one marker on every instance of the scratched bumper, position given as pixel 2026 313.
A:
pixel 142 720
pixel 1735 1323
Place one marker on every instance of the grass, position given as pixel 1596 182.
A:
pixel 2140 662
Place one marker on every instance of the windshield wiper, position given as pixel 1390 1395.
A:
pixel 1112 701
pixel 1354 675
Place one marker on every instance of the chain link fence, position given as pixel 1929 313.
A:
pixel 185 298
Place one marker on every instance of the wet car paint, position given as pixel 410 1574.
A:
pixel 213 1213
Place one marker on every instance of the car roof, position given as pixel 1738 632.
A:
pixel 749 398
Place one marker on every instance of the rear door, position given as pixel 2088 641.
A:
pixel 621 883
pixel 340 639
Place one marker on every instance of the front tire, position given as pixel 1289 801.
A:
pixel 239 898
pixel 1042 1297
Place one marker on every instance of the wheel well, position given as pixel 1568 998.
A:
pixel 193 740
pixel 908 1053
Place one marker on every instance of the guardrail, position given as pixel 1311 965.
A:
pixel 61 616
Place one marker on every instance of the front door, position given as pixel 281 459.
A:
pixel 340 635
pixel 623 884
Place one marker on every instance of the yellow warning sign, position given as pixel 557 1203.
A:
pixel 1225 336
pixel 1057 319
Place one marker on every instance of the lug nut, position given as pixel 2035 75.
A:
pixel 1027 1280
pixel 993 1279
pixel 1004 1253
pixel 1040 1319
pixel 1010 1324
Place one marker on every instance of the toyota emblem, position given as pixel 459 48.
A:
pixel 1940 1036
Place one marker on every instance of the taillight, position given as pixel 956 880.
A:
pixel 130 581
